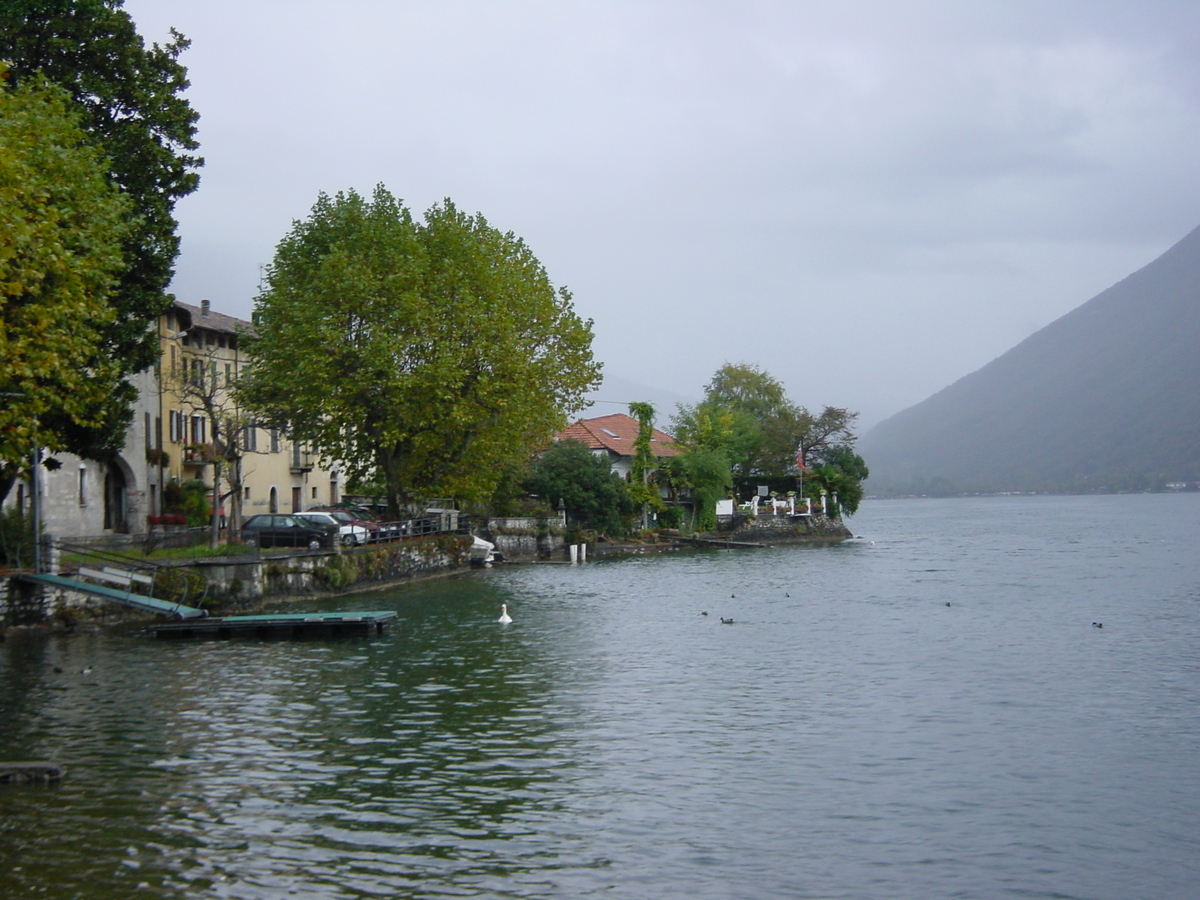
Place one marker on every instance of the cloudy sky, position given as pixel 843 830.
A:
pixel 867 199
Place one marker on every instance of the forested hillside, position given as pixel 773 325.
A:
pixel 1105 398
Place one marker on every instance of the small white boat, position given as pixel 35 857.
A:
pixel 483 553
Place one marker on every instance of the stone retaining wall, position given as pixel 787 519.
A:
pixel 782 529
pixel 236 585
pixel 526 538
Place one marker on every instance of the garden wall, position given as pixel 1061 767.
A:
pixel 523 538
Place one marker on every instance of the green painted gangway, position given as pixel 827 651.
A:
pixel 121 579
pixel 115 594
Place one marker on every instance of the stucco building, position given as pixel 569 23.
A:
pixel 185 418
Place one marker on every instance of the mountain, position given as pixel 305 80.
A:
pixel 1105 398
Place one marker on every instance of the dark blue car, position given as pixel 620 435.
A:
pixel 288 531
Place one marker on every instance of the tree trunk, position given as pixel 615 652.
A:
pixel 234 522
pixel 215 538
pixel 391 481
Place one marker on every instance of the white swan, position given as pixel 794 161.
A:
pixel 505 618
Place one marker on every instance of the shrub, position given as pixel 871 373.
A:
pixel 670 517
pixel 16 538
pixel 195 505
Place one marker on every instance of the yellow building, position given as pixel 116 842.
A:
pixel 184 418
pixel 199 422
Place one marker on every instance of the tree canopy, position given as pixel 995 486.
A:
pixel 841 473
pixel 61 227
pixel 132 107
pixel 422 355
pixel 704 472
pixel 594 496
pixel 747 417
pixel 746 413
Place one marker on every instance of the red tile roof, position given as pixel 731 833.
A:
pixel 616 433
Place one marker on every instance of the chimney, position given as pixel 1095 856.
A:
pixel 204 307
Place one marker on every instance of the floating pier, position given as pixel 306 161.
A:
pixel 294 625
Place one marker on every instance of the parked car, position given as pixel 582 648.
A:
pixel 288 531
pixel 375 531
pixel 352 535
pixel 391 530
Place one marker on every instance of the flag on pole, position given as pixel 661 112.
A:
pixel 800 459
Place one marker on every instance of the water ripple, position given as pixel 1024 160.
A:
pixel 850 735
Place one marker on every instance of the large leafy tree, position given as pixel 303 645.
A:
pixel 749 389
pixel 745 413
pixel 61 226
pixel 593 496
pixel 421 355
pixel 747 416
pixel 735 433
pixel 132 105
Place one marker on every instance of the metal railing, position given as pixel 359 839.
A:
pixel 163 582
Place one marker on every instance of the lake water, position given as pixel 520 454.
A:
pixel 926 711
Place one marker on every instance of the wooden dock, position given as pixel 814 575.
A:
pixel 294 625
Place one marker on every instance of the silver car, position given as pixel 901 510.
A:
pixel 350 535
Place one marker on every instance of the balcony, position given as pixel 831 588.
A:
pixel 198 455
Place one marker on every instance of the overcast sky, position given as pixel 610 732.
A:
pixel 867 199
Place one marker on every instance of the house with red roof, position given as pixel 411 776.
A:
pixel 613 437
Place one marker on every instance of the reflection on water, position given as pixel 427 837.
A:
pixel 850 735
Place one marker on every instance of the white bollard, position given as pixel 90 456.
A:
pixel 583 552
pixel 574 553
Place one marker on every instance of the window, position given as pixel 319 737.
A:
pixel 149 436
pixel 247 497
pixel 82 486
pixel 250 440
pixel 198 430
pixel 274 440
pixel 314 493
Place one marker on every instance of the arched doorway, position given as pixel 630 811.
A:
pixel 116 516
pixel 274 499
